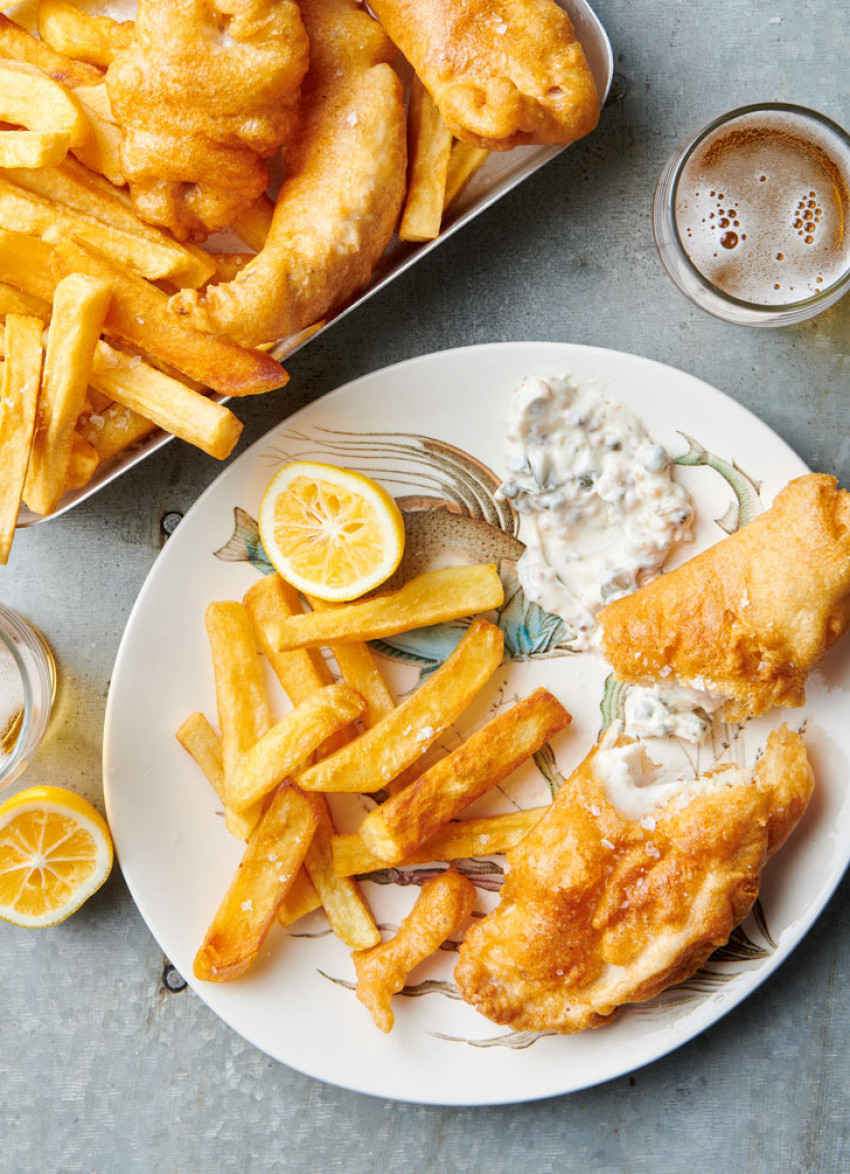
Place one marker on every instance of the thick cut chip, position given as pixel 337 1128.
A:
pixel 359 670
pixel 114 429
pixel 25 264
pixel 445 903
pixel 15 301
pixel 400 826
pixel 347 911
pixel 274 854
pixel 76 187
pixel 82 35
pixel 464 162
pixel 280 751
pixel 243 711
pixel 29 98
pixel 428 149
pixel 167 402
pixel 456 841
pixel 18 44
pixel 433 598
pixel 79 308
pixel 33 148
pixel 139 315
pixel 18 403
pixel 384 751
pixel 82 463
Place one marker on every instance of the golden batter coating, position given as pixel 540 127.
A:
pixel 599 910
pixel 207 91
pixel 750 617
pixel 345 180
pixel 504 73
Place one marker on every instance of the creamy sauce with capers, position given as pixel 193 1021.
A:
pixel 677 711
pixel 601 511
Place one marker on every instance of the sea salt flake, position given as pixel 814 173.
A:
pixel 652 851
pixel 648 822
pixel 607 844
pixel 352 118
pixel 247 905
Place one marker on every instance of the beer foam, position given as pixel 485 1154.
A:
pixel 761 205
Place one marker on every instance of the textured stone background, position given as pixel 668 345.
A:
pixel 101 1067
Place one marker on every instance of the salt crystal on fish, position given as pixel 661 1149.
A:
pixel 352 118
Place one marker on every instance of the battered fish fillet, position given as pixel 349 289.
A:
pixel 503 72
pixel 205 93
pixel 748 618
pixel 597 911
pixel 345 181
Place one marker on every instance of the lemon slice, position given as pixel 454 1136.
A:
pixel 330 532
pixel 55 851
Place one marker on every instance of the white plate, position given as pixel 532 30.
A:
pixel 178 859
pixel 502 172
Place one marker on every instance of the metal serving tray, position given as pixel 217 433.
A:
pixel 502 172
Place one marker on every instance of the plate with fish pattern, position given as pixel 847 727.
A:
pixel 432 431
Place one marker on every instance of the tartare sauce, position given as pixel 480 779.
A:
pixel 679 711
pixel 602 509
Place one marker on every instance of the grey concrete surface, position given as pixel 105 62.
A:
pixel 102 1068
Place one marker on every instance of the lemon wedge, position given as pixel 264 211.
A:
pixel 55 851
pixel 330 532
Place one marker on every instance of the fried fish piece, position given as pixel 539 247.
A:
pixel 599 910
pixel 204 94
pixel 504 73
pixel 345 180
pixel 749 618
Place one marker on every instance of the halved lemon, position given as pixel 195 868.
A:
pixel 55 851
pixel 330 532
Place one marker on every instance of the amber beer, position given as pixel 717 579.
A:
pixel 756 206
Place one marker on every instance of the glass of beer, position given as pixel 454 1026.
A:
pixel 751 215
pixel 27 690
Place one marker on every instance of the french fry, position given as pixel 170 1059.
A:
pixel 279 752
pixel 464 162
pixel 167 402
pixel 29 98
pixel 23 211
pixel 433 598
pixel 397 740
pixel 18 403
pixel 299 900
pixel 456 841
pixel 281 839
pixel 429 146
pixel 445 903
pixel 75 187
pixel 114 429
pixel 348 913
pixel 252 226
pixel 15 301
pixel 25 264
pixel 33 148
pixel 82 464
pixel 102 150
pixel 301 672
pixel 139 314
pixel 200 740
pixel 82 35
pixel 96 98
pixel 358 668
pixel 399 827
pixel 18 44
pixel 79 308
pixel 243 711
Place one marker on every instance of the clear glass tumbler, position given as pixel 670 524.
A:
pixel 750 215
pixel 27 691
